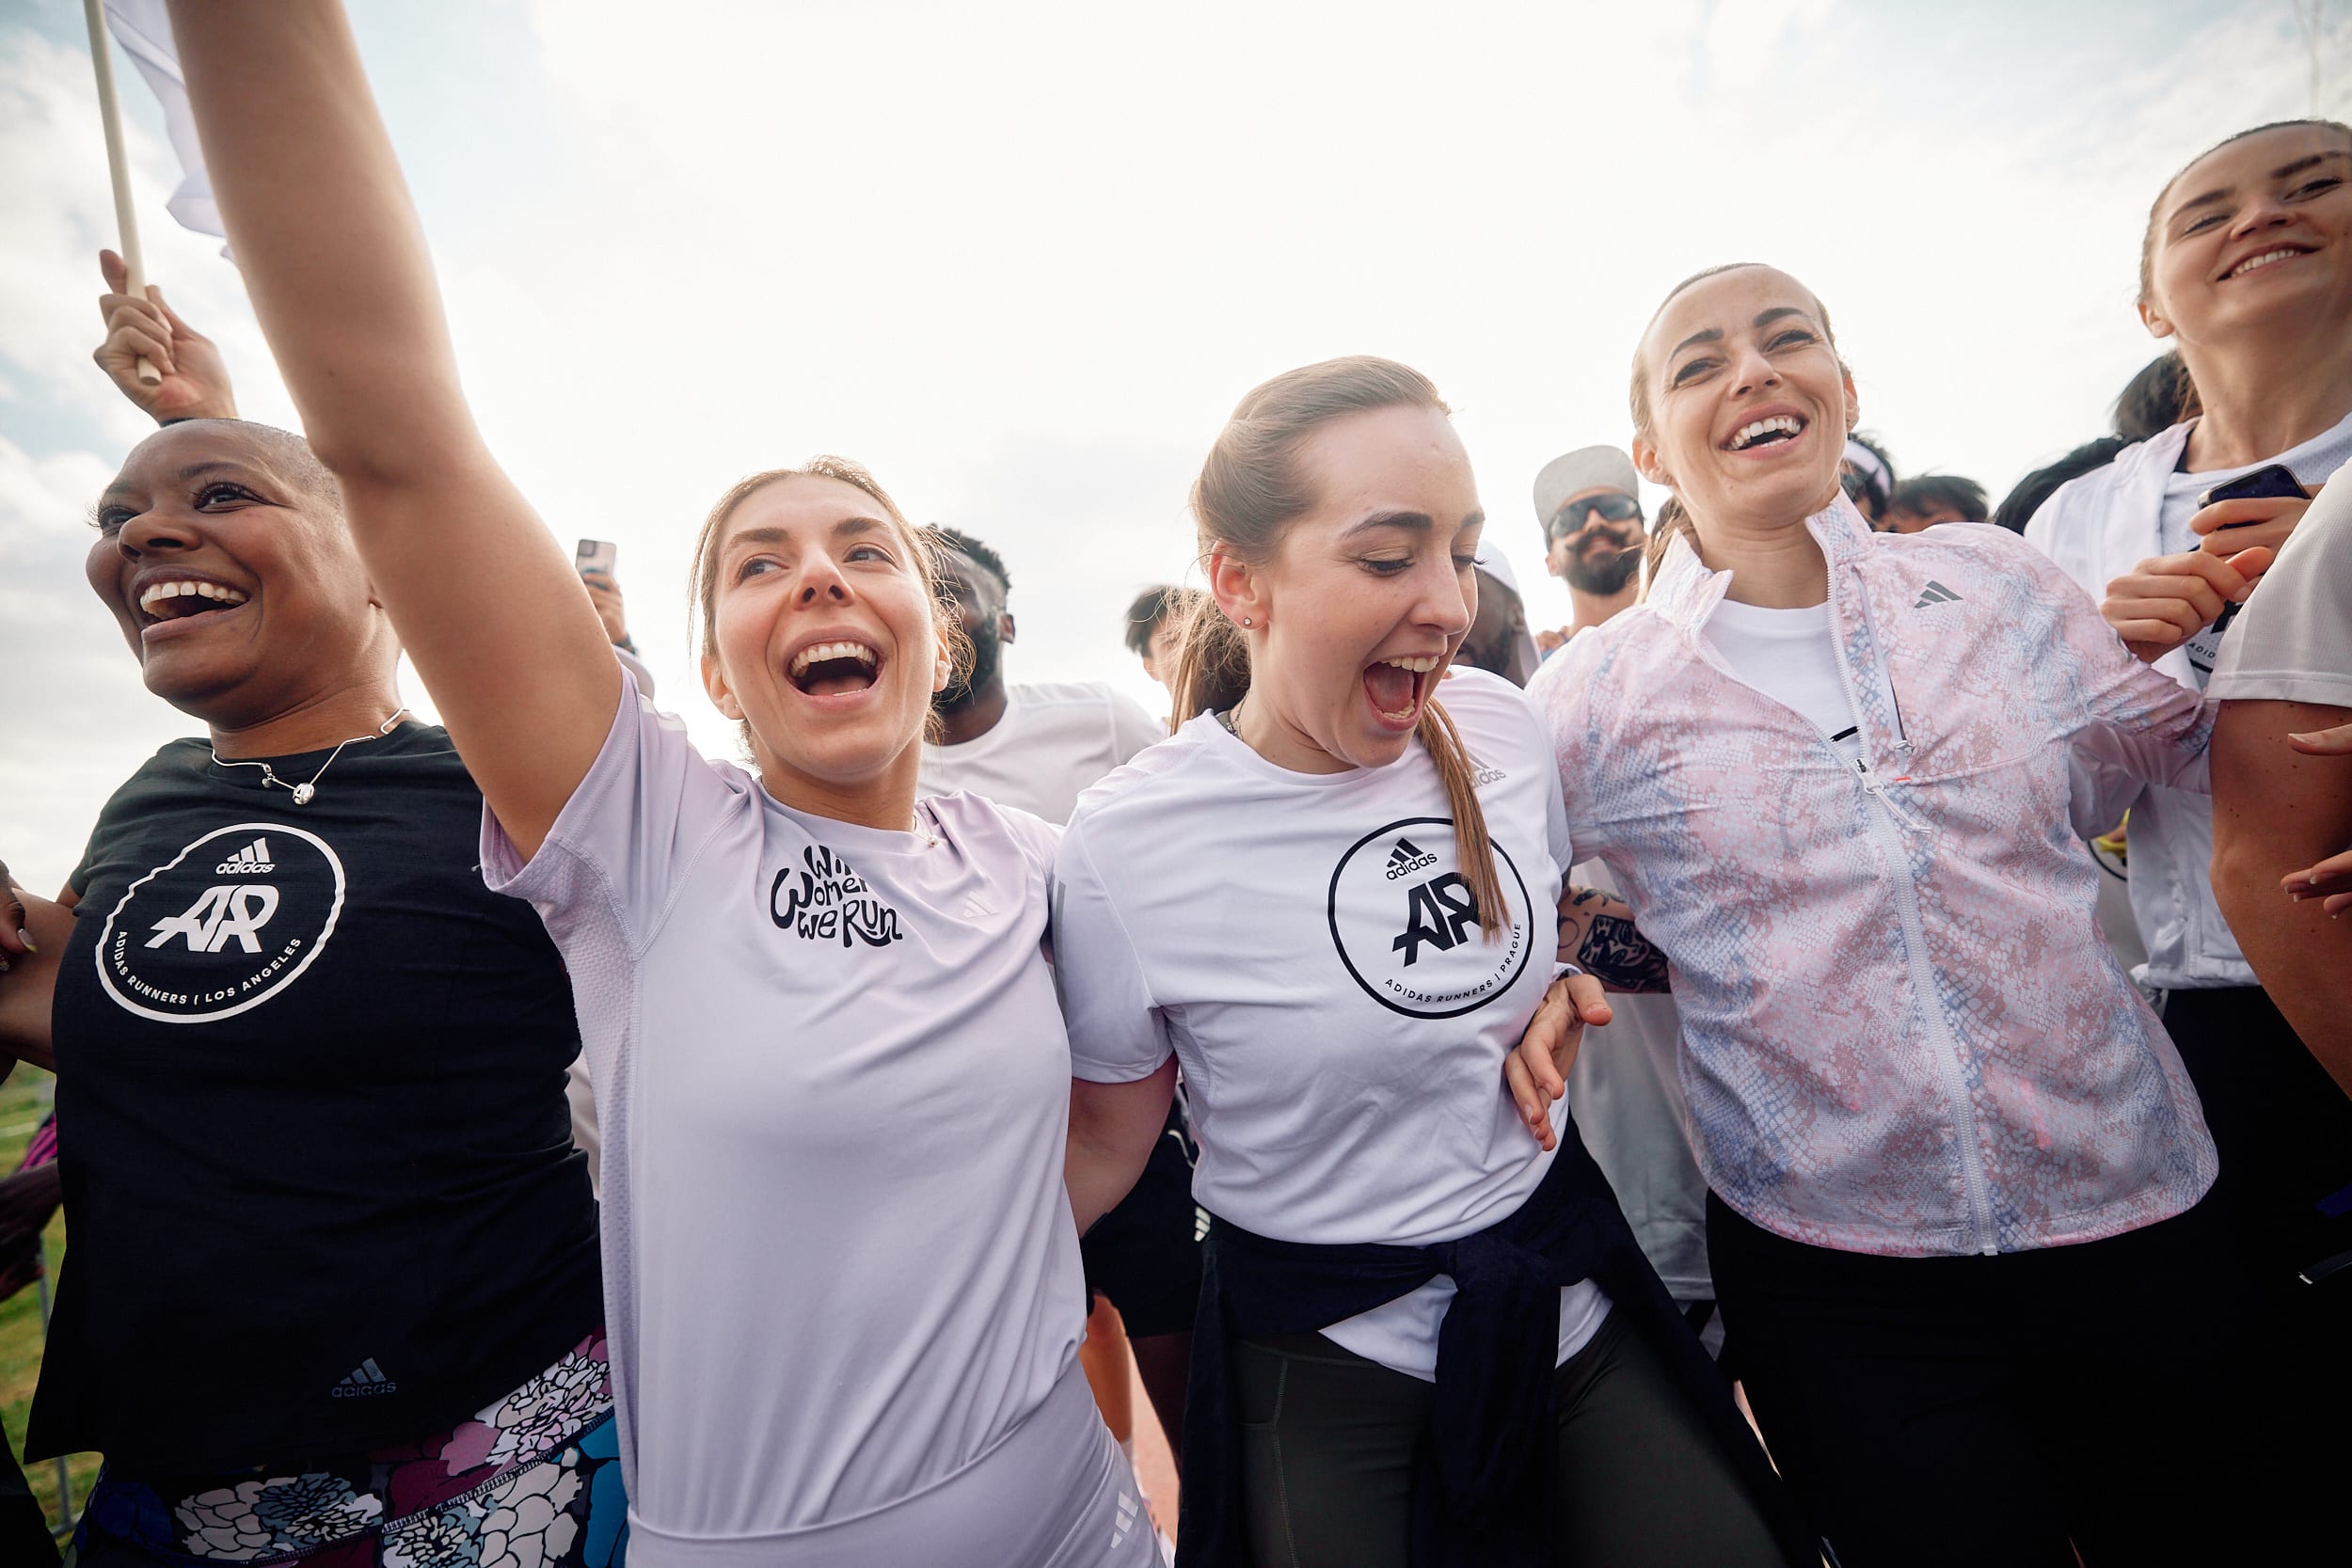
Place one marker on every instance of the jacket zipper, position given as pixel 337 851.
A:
pixel 1886 825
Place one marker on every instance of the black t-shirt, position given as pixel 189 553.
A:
pixel 320 1188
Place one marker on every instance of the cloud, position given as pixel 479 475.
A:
pixel 46 498
pixel 78 721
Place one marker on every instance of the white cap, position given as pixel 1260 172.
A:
pixel 1586 468
pixel 1869 463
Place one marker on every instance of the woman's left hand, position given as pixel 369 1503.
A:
pixel 1536 1072
pixel 2230 528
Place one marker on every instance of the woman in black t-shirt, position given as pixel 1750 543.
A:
pixel 334 1279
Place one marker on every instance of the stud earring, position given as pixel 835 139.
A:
pixel 1247 622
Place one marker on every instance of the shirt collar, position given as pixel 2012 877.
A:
pixel 1686 592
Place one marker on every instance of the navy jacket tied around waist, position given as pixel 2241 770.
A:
pixel 1483 1494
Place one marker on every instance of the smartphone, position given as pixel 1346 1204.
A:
pixel 596 555
pixel 2275 481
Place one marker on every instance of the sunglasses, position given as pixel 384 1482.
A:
pixel 1613 506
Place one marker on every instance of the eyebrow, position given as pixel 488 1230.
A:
pixel 1712 335
pixel 211 465
pixel 1415 522
pixel 2281 172
pixel 1715 334
pixel 847 528
pixel 194 470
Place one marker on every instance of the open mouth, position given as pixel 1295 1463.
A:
pixel 2269 258
pixel 1396 687
pixel 833 669
pixel 186 599
pixel 1779 430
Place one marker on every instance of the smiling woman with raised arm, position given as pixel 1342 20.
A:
pixel 1955 1165
pixel 840 1265
pixel 1426 1336
pixel 311 1070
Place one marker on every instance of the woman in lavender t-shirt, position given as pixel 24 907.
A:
pixel 841 1274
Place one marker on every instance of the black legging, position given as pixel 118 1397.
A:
pixel 1328 1439
pixel 2120 1393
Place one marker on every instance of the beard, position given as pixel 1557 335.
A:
pixel 1605 571
pixel 988 656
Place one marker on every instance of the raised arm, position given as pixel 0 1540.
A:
pixel 194 383
pixel 485 600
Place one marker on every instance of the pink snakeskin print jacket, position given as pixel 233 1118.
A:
pixel 1902 1032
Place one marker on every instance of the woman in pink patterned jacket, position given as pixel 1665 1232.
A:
pixel 1955 1165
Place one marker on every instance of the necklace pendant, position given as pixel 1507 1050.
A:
pixel 302 793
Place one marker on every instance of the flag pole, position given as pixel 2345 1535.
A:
pixel 118 167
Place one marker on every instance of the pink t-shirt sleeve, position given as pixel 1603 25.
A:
pixel 618 850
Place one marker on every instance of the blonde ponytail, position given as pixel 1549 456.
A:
pixel 1212 663
pixel 1458 770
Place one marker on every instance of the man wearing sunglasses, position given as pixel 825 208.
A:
pixel 1624 1085
pixel 1589 506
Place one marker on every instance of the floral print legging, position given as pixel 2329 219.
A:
pixel 531 1482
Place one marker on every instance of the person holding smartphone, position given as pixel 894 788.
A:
pixel 2247 267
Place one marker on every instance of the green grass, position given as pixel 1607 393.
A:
pixel 23 1101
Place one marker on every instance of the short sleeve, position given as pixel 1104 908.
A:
pixel 1117 1034
pixel 1132 729
pixel 78 880
pixel 2293 641
pixel 644 811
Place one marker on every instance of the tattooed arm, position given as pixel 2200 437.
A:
pixel 1596 932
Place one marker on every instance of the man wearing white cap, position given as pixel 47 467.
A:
pixel 1589 506
pixel 1626 1088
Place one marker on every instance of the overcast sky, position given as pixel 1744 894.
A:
pixel 1022 259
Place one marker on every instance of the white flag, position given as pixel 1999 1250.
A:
pixel 143 28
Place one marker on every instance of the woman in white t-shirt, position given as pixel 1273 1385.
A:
pixel 841 1276
pixel 2246 267
pixel 1955 1167
pixel 1335 899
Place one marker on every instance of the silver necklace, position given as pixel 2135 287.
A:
pixel 307 791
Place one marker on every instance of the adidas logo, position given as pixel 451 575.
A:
pixel 251 860
pixel 1407 858
pixel 365 1379
pixel 1126 1525
pixel 1935 592
pixel 1488 775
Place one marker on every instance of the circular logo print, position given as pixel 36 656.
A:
pixel 1405 922
pixel 231 921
